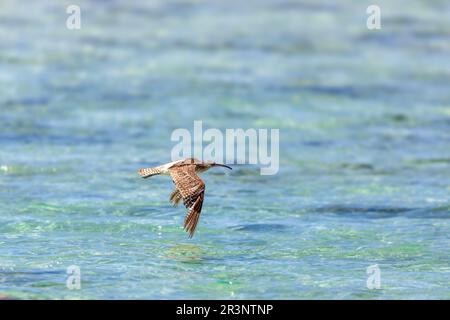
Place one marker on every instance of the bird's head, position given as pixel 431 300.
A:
pixel 207 165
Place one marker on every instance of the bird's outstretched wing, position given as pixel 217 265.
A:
pixel 192 190
pixel 175 197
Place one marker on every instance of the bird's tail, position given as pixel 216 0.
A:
pixel 148 172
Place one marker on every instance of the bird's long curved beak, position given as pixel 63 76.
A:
pixel 222 165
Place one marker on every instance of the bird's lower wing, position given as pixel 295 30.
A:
pixel 193 215
pixel 192 190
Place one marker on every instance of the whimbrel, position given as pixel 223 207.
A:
pixel 188 186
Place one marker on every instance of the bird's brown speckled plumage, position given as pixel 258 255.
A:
pixel 188 186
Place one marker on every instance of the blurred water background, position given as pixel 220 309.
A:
pixel 364 119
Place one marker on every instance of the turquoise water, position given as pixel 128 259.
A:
pixel 364 119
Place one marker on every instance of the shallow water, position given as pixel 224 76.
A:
pixel 364 119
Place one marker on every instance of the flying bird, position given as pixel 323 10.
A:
pixel 188 186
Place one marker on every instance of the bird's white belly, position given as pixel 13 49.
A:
pixel 165 167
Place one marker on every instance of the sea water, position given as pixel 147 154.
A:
pixel 364 177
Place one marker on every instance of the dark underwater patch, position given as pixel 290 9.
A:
pixel 379 212
pixel 260 227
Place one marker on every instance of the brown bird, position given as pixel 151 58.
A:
pixel 188 186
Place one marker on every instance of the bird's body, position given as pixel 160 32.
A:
pixel 188 186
